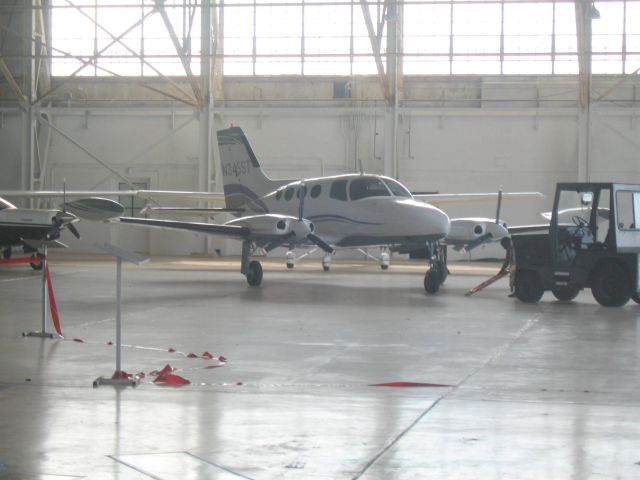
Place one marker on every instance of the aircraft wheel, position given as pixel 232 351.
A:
pixel 432 280
pixel 289 265
pixel 528 286
pixel 6 253
pixel 326 268
pixel 565 294
pixel 635 296
pixel 444 271
pixel 254 277
pixel 384 267
pixel 610 285
pixel 36 262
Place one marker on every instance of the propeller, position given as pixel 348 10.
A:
pixel 313 238
pixel 64 218
pixel 499 205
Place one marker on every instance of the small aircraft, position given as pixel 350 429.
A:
pixel 33 229
pixel 352 210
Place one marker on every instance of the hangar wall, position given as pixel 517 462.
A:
pixel 459 135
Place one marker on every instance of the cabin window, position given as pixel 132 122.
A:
pixel 288 194
pixel 315 191
pixel 339 190
pixel 367 187
pixel 397 188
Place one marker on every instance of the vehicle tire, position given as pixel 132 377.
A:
pixel 326 268
pixel 254 277
pixel 384 267
pixel 289 265
pixel 635 296
pixel 565 294
pixel 36 263
pixel 432 280
pixel 610 285
pixel 6 253
pixel 528 286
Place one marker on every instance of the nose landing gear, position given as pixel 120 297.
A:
pixel 437 273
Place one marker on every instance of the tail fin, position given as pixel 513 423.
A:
pixel 244 181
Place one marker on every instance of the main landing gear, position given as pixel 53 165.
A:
pixel 437 273
pixel 252 269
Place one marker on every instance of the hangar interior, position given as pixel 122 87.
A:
pixel 446 96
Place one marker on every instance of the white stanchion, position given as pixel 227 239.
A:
pixel 119 378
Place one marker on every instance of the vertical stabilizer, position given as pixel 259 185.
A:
pixel 244 181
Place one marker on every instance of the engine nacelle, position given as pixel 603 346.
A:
pixel 275 225
pixel 466 230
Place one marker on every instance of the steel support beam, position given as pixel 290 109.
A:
pixel 583 10
pixel 375 46
pixel 181 54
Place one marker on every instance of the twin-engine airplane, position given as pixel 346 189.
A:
pixel 354 210
pixel 33 229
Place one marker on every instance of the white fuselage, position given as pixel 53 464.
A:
pixel 358 210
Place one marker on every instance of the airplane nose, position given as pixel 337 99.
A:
pixel 440 221
pixel 433 220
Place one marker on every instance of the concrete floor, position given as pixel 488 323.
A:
pixel 527 391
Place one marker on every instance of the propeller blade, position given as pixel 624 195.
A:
pixel 278 242
pixel 320 243
pixel 486 238
pixel 72 228
pixel 499 205
pixel 303 193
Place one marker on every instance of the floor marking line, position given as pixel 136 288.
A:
pixel 218 466
pixel 398 437
pixel 499 352
pixel 122 462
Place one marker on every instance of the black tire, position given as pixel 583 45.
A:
pixel 565 294
pixel 635 297
pixel 610 285
pixel 37 263
pixel 432 280
pixel 6 253
pixel 444 272
pixel 528 286
pixel 384 267
pixel 254 277
pixel 289 265
pixel 326 268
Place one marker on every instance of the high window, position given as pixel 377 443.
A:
pixel 330 37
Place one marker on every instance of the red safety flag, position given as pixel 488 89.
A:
pixel 52 301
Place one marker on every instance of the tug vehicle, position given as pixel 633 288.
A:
pixel 593 241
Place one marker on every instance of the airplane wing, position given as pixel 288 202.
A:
pixel 189 211
pixel 235 231
pixel 438 199
pixel 154 195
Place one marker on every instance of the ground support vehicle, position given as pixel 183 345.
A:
pixel 593 241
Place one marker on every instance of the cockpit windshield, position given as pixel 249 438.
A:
pixel 396 188
pixel 364 187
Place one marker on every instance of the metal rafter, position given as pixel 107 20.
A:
pixel 193 81
pixel 190 101
pixel 15 88
pixel 375 46
pixel 93 58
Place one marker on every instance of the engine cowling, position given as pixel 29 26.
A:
pixel 465 231
pixel 275 225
